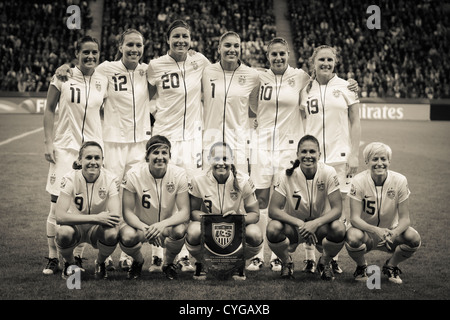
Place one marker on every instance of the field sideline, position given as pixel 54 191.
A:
pixel 420 151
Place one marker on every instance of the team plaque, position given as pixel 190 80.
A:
pixel 223 242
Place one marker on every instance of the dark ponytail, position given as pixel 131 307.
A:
pixel 235 180
pixel 294 166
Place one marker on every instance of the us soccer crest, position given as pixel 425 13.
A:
pixel 194 65
pixel 141 72
pixel 391 193
pixel 102 193
pixel 321 185
pixel 291 82
pixel 170 187
pixel 336 93
pixel 242 80
pixel 98 86
pixel 52 178
pixel 223 233
pixel 223 243
pixel 233 195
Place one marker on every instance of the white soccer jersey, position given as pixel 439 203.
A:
pixel 179 86
pixel 155 198
pixel 226 101
pixel 379 207
pixel 326 108
pixel 127 109
pixel 89 198
pixel 79 109
pixel 306 199
pixel 221 198
pixel 280 125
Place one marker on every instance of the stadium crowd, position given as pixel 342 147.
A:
pixel 403 59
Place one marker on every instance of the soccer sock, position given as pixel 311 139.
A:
pixel 104 251
pixel 173 248
pixel 310 252
pixel 281 249
pixel 262 224
pixel 67 253
pixel 134 251
pixel 330 249
pixel 357 254
pixel 401 253
pixel 52 249
pixel 51 232
pixel 251 251
pixel 195 251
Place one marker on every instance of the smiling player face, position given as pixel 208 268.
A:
pixel 230 49
pixel 220 160
pixel 324 63
pixel 91 162
pixel 88 57
pixel 179 41
pixel 378 164
pixel 308 154
pixel 158 158
pixel 132 49
pixel 278 58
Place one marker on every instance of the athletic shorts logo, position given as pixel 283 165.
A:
pixel 52 178
pixel 63 183
pixel 223 233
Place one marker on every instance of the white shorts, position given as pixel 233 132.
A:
pixel 119 157
pixel 188 155
pixel 86 231
pixel 266 164
pixel 344 181
pixel 63 165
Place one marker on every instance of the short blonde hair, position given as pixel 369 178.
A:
pixel 375 147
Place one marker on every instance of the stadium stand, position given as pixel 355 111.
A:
pixel 406 58
pixel 33 44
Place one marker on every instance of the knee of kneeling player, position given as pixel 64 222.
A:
pixel 274 229
pixel 65 235
pixel 354 237
pixel 253 235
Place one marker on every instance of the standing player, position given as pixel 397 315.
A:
pixel 379 207
pixel 88 209
pixel 279 128
pixel 152 192
pixel 126 123
pixel 332 116
pixel 227 86
pixel 305 207
pixel 79 104
pixel 176 79
pixel 222 190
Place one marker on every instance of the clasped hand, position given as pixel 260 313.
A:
pixel 154 234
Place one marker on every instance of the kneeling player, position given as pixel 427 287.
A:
pixel 379 214
pixel 300 212
pixel 88 209
pixel 222 190
pixel 150 192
